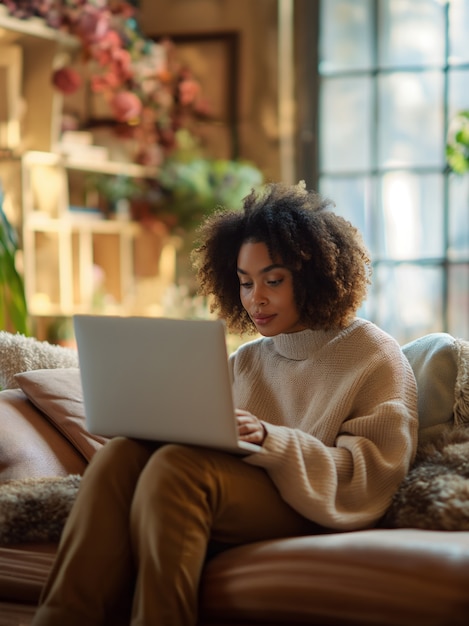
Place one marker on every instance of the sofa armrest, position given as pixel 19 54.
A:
pixel 30 447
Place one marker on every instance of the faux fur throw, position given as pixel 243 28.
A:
pixel 34 510
pixel 23 354
pixel 435 493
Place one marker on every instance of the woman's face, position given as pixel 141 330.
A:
pixel 266 291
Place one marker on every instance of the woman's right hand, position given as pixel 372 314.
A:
pixel 250 428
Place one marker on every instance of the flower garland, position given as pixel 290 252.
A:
pixel 145 86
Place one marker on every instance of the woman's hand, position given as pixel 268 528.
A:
pixel 250 428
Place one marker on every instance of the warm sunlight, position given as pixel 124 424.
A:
pixel 400 202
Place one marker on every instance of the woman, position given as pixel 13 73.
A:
pixel 329 396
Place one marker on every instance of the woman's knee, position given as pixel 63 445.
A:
pixel 171 460
pixel 196 473
pixel 176 469
pixel 118 457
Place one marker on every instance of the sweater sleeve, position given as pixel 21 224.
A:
pixel 348 482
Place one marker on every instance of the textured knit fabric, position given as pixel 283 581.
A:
pixel 340 410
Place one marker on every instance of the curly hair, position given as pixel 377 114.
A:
pixel 330 265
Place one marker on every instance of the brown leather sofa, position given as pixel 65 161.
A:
pixel 378 577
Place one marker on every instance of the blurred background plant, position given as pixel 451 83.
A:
pixel 188 187
pixel 13 308
pixel 113 188
pixel 457 147
pixel 193 186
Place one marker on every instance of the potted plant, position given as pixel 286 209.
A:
pixel 113 189
pixel 192 185
pixel 13 308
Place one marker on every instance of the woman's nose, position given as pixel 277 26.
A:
pixel 258 295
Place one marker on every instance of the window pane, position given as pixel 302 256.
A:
pixel 384 108
pixel 458 217
pixel 345 35
pixel 458 313
pixel 345 113
pixel 458 93
pixel 351 197
pixel 408 300
pixel 411 33
pixel 412 217
pixel 411 119
pixel 458 30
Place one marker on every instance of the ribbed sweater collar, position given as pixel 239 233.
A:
pixel 303 344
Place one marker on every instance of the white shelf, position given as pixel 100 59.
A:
pixel 101 167
pixel 41 222
pixel 63 249
pixel 11 28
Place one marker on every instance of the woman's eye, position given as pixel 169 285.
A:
pixel 245 285
pixel 273 283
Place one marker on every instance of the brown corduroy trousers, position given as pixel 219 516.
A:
pixel 136 541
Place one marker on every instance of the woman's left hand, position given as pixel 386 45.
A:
pixel 250 428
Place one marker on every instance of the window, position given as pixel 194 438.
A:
pixel 391 75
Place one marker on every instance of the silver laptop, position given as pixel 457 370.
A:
pixel 155 378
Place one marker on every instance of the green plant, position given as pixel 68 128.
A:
pixel 196 189
pixel 115 187
pixel 13 308
pixel 457 147
pixel 193 186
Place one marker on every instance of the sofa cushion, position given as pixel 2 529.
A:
pixel 359 578
pixel 23 573
pixel 29 445
pixel 441 366
pixel 58 394
pixel 20 354
pixel 385 577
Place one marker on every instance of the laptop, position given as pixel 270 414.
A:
pixel 161 379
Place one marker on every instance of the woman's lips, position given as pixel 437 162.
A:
pixel 262 320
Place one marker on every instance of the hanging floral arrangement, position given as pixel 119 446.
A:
pixel 145 87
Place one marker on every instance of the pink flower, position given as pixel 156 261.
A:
pixel 105 82
pixel 92 24
pixel 122 62
pixel 126 106
pixel 103 49
pixel 66 80
pixel 123 9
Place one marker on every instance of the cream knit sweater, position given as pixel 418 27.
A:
pixel 340 410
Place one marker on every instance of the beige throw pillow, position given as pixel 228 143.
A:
pixel 441 367
pixel 58 394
